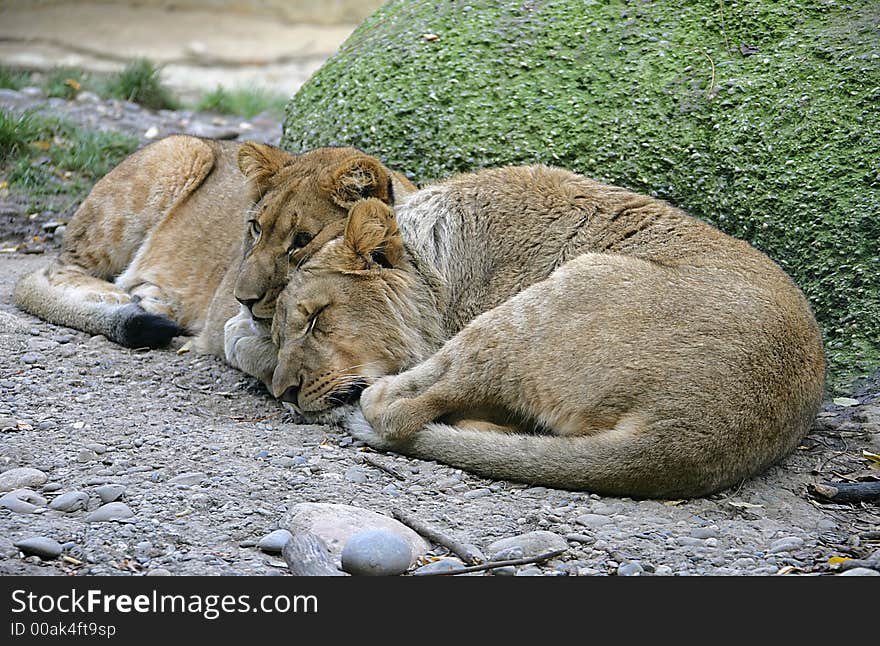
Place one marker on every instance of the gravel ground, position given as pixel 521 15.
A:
pixel 208 463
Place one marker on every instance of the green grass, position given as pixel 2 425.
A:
pixel 42 156
pixel 11 79
pixel 139 82
pixel 65 82
pixel 244 101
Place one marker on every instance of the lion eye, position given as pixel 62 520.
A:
pixel 314 319
pixel 255 229
pixel 300 240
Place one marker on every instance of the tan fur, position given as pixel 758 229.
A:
pixel 162 233
pixel 625 347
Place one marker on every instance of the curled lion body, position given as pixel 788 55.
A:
pixel 571 334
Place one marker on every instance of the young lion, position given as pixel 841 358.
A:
pixel 556 331
pixel 155 250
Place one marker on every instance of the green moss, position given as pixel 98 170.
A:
pixel 760 117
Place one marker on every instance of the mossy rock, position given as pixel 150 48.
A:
pixel 762 118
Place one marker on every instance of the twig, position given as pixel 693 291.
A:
pixel 491 565
pixel 712 80
pixel 465 551
pixel 723 28
pixel 848 491
pixel 369 459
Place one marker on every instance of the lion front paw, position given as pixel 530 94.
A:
pixel 392 417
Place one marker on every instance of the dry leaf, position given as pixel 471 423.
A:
pixel 41 145
pixel 73 84
pixel 834 560
pixel 874 458
pixel 431 37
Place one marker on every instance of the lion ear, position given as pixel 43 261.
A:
pixel 359 178
pixel 261 162
pixel 371 233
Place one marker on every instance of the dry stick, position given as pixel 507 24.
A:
pixel 465 551
pixel 848 491
pixel 491 565
pixel 369 459
pixel 712 80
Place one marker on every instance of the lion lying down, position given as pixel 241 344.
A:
pixel 552 330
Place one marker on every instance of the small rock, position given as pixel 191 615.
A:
pixel 530 570
pixel 21 478
pixel 45 548
pixel 630 568
pixel 531 544
pixel 482 492
pixel 23 501
pixel 593 520
pixel 580 538
pixel 506 570
pixel 70 501
pixel 110 511
pixel 189 479
pixel 212 132
pixel 860 571
pixel 32 91
pixel 110 492
pixel 86 456
pixel 336 524
pixel 508 554
pixel 785 544
pixel 159 571
pixel 49 487
pixel 663 570
pixel 274 542
pixel 376 552
pixel 31 358
pixel 84 96
pixel 704 532
pixel 356 475
pixel 445 564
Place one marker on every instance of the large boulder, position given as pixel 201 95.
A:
pixel 762 118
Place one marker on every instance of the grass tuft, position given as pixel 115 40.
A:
pixel 244 101
pixel 139 82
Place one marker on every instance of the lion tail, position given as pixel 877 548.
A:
pixel 605 463
pixel 66 295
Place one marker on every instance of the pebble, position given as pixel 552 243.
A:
pixel 31 358
pixel 21 478
pixel 663 570
pixel 860 571
pixel 630 568
pixel 445 564
pixel 530 570
pixel 110 511
pixel 593 520
pixel 110 492
pixel 704 532
pixel 580 538
pixel 506 570
pixel 45 548
pixel 23 501
pixel 49 487
pixel 531 544
pixel 159 571
pixel 376 552
pixel 189 479
pixel 482 492
pixel 70 501
pixel 356 475
pixel 335 524
pixel 274 542
pixel 785 544
pixel 86 456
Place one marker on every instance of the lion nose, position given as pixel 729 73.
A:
pixel 247 302
pixel 290 394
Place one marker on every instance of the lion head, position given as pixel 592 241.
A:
pixel 357 309
pixel 300 202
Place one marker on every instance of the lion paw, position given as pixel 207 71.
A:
pixel 393 417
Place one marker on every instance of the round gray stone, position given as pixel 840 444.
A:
pixel 785 544
pixel 441 565
pixel 274 542
pixel 70 501
pixel 110 511
pixel 593 520
pixel 189 479
pixel 23 501
pixel 110 492
pixel 45 548
pixel 376 552
pixel 630 568
pixel 860 571
pixel 22 478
